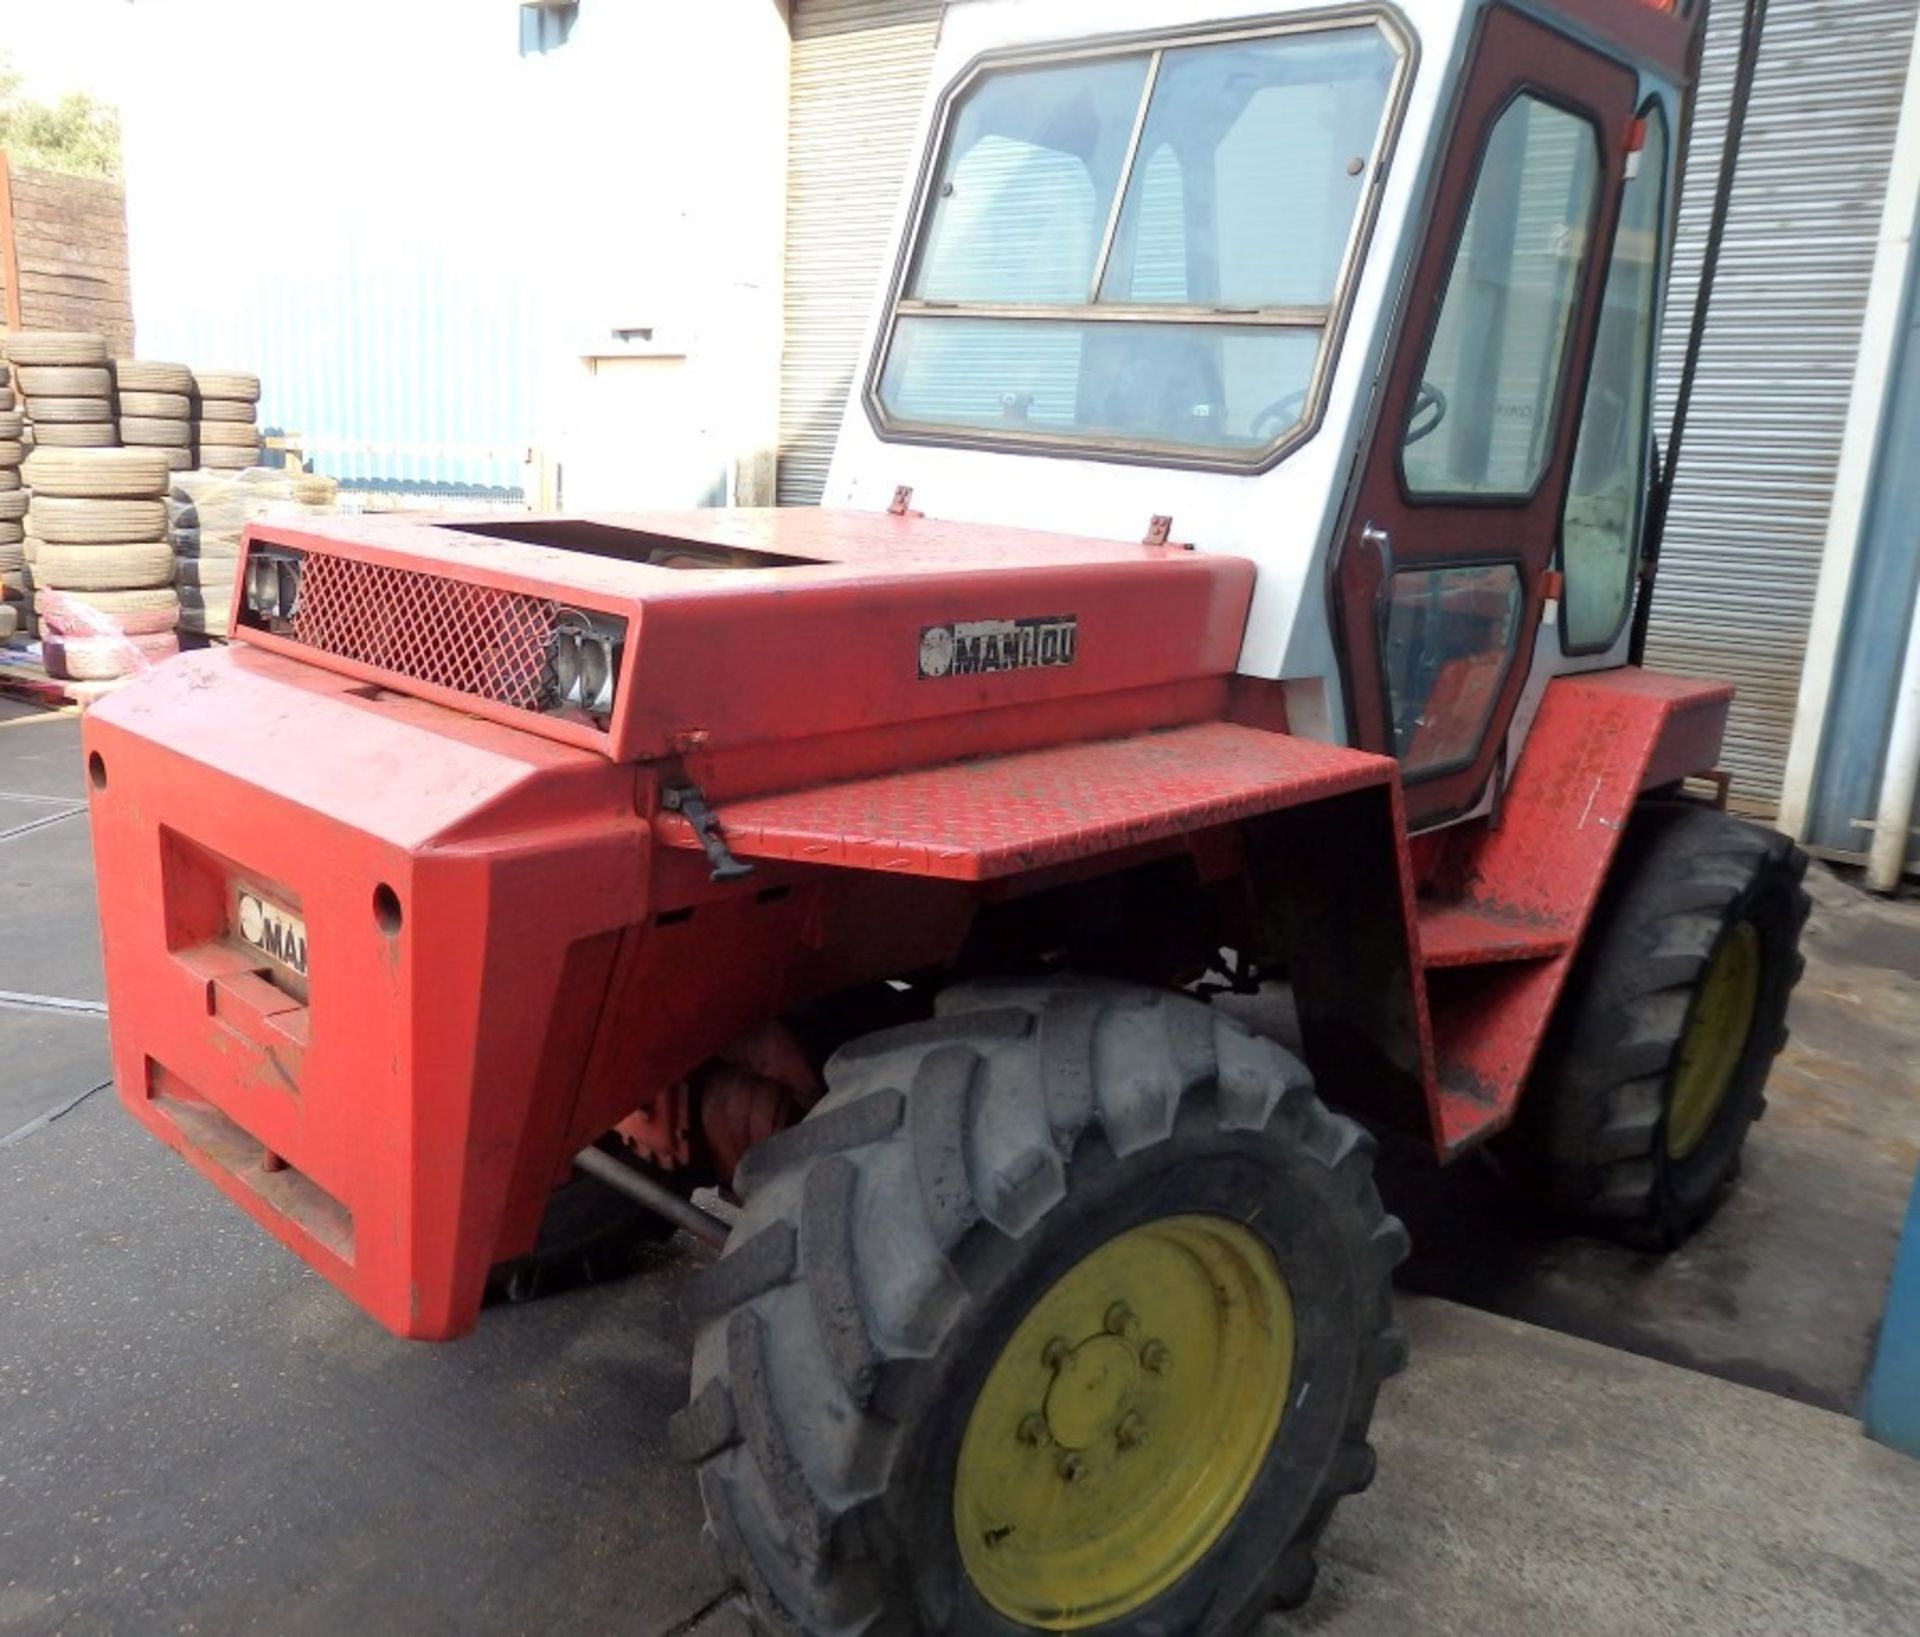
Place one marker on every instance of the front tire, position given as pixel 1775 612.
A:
pixel 885 1441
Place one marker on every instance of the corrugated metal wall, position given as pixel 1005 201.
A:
pixel 859 76
pixel 1756 476
pixel 411 348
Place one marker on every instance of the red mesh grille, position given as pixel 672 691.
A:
pixel 473 639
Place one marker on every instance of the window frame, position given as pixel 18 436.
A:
pixel 1442 565
pixel 1329 321
pixel 1513 500
pixel 1652 107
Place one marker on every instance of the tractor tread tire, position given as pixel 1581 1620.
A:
pixel 1590 1142
pixel 891 1228
pixel 589 1233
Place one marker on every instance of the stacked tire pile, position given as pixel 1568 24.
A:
pixel 207 514
pixel 65 387
pixel 13 511
pixel 156 408
pixel 225 430
pixel 102 568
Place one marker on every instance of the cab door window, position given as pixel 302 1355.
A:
pixel 1601 530
pixel 1482 424
pixel 1480 427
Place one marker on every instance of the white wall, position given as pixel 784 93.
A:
pixel 419 237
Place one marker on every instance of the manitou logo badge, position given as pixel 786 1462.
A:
pixel 278 934
pixel 972 647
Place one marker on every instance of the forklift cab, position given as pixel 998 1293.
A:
pixel 1367 294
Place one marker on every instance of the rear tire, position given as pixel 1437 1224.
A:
pixel 959 1174
pixel 1627 1126
pixel 589 1235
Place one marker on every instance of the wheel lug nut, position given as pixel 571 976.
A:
pixel 1057 1354
pixel 1072 1468
pixel 1121 1322
pixel 1132 1432
pixel 1156 1357
pixel 1033 1431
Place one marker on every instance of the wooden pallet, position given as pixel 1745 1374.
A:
pixel 23 677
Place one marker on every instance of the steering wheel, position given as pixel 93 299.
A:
pixel 1429 410
pixel 1282 412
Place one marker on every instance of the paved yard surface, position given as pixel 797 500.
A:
pixel 198 1436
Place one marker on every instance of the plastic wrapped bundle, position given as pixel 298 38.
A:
pixel 207 513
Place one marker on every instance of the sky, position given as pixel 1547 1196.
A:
pixel 68 45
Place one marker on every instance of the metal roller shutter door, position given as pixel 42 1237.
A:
pixel 859 78
pixel 1756 476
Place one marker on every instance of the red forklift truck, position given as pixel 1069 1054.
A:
pixel 1228 577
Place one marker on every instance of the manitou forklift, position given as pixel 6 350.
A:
pixel 1228 580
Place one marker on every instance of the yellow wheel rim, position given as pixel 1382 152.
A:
pixel 1122 1427
pixel 1716 1039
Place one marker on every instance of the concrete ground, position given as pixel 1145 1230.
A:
pixel 196 1435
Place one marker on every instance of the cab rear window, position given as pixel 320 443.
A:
pixel 1145 249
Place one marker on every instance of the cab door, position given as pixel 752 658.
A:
pixel 1441 575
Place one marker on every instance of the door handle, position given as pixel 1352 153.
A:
pixel 1378 544
pixel 1381 543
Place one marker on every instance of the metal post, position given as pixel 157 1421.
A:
pixel 1900 781
pixel 1892 1408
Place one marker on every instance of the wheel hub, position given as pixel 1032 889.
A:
pixel 1121 1428
pixel 1092 1393
pixel 1715 1040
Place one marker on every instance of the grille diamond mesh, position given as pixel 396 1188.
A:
pixel 473 639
